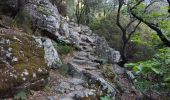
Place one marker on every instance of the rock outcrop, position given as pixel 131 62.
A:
pixel 23 58
pixel 51 55
pixel 104 51
pixel 43 15
pixel 22 64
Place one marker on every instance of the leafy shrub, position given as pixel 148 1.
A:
pixel 105 98
pixel 20 96
pixel 155 71
pixel 64 69
pixel 63 49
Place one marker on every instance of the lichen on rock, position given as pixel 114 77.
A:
pixel 51 55
pixel 20 61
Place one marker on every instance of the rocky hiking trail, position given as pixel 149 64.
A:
pixel 86 79
pixel 90 72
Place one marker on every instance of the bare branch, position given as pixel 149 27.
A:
pixel 129 36
pixel 118 15
pixel 130 23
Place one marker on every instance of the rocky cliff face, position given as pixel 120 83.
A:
pixel 92 68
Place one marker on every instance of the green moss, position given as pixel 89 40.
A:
pixel 108 73
pixel 30 57
pixel 44 11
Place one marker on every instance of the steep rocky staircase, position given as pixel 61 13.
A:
pixel 86 80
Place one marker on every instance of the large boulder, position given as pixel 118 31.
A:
pixel 22 64
pixel 104 51
pixel 33 14
pixel 51 54
pixel 42 15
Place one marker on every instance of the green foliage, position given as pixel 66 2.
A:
pixel 105 98
pixel 155 14
pixel 64 69
pixel 20 96
pixel 101 61
pixel 158 68
pixel 155 42
pixel 44 11
pixel 63 49
pixel 138 47
pixel 47 88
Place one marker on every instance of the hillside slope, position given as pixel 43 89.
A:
pixel 92 72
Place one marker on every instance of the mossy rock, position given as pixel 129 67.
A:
pixel 22 65
pixel 109 73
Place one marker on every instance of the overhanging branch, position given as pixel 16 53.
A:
pixel 163 38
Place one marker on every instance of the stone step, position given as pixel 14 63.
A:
pixel 87 39
pixel 76 81
pixel 87 48
pixel 78 95
pixel 83 44
pixel 92 77
pixel 66 98
pixel 82 53
pixel 81 58
pixel 91 57
pixel 85 62
pixel 80 62
pixel 90 68
pixel 92 44
pixel 75 71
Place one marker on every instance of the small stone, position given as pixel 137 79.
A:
pixel 63 87
pixel 82 53
pixel 25 73
pixel 79 87
pixel 15 59
pixel 50 98
pixel 76 81
pixel 24 79
pixel 66 98
pixel 39 70
pixel 34 75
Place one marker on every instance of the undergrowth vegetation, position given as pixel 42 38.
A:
pixel 153 74
pixel 63 49
pixel 64 69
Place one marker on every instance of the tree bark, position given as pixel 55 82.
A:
pixel 125 35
